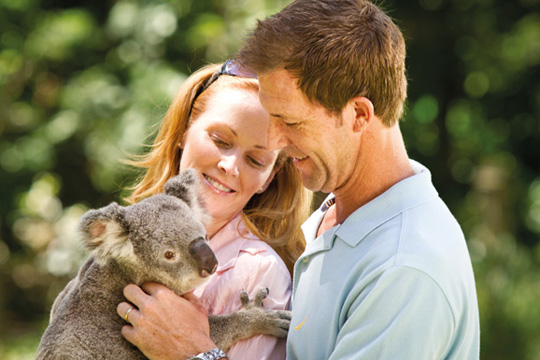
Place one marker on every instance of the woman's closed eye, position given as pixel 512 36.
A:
pixel 255 160
pixel 220 142
pixel 256 163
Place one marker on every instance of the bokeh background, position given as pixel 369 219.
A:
pixel 82 83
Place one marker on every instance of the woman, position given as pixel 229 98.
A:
pixel 254 197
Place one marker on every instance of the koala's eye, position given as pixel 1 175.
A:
pixel 169 255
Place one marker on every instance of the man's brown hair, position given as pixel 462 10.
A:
pixel 337 49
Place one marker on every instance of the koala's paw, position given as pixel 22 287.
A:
pixel 252 319
pixel 265 321
pixel 261 294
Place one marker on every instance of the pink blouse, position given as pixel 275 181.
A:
pixel 246 263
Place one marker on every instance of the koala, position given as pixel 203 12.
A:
pixel 160 239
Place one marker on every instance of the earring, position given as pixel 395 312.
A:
pixel 261 190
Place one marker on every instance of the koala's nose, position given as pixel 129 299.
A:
pixel 204 256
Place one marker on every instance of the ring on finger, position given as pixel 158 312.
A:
pixel 127 313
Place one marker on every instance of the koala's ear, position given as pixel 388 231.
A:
pixel 185 186
pixel 103 233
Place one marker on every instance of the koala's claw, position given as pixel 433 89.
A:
pixel 261 294
pixel 244 298
pixel 276 322
pixel 252 319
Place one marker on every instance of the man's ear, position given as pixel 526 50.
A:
pixel 364 113
pixel 104 234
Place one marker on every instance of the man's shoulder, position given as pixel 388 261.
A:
pixel 426 237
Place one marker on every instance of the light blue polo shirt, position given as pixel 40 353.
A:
pixel 393 281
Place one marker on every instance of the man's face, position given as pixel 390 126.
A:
pixel 322 144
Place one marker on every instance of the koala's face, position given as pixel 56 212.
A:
pixel 169 244
pixel 160 239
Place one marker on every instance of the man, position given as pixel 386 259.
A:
pixel 386 273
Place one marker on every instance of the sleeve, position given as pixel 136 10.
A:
pixel 402 314
pixel 251 272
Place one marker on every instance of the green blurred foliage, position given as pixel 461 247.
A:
pixel 82 85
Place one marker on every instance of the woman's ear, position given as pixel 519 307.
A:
pixel 364 112
pixel 182 142
pixel 269 180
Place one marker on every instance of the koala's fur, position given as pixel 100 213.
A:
pixel 160 239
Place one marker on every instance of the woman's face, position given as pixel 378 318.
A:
pixel 227 145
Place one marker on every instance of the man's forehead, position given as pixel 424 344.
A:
pixel 278 86
pixel 274 82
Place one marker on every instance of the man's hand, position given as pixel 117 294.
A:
pixel 164 325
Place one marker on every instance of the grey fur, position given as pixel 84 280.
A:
pixel 134 244
pixel 251 320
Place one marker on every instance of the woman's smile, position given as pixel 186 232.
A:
pixel 227 145
pixel 217 186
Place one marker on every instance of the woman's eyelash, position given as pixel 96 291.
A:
pixel 256 163
pixel 224 144
pixel 218 141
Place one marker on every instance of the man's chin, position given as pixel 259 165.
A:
pixel 314 183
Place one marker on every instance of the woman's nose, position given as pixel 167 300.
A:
pixel 229 165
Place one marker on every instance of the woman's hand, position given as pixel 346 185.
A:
pixel 164 325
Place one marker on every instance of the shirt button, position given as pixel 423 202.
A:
pixel 306 259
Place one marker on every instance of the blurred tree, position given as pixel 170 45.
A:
pixel 82 84
pixel 474 120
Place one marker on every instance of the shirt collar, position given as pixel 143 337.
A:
pixel 311 225
pixel 406 194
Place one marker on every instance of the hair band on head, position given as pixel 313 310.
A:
pixel 231 67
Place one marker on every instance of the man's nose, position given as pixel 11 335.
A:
pixel 229 165
pixel 277 139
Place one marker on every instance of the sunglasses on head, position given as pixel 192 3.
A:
pixel 231 68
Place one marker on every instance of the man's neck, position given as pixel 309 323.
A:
pixel 382 162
